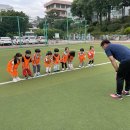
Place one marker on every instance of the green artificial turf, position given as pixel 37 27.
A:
pixel 76 100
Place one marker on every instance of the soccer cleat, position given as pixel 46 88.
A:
pixel 116 96
pixel 63 69
pixel 26 77
pixel 92 65
pixel 126 93
pixel 18 79
pixel 38 73
pixel 89 65
pixel 14 80
pixel 35 75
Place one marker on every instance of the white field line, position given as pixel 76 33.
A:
pixel 9 82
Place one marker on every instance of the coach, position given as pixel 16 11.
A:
pixel 122 54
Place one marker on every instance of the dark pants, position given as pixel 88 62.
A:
pixel 123 75
pixel 36 68
pixel 64 65
pixel 91 62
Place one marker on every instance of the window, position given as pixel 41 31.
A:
pixel 62 6
pixel 57 5
pixel 63 13
pixel 67 6
pixel 129 12
pixel 52 6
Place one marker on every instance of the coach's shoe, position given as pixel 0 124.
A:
pixel 14 80
pixel 116 96
pixel 126 93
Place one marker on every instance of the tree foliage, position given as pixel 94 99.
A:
pixel 102 8
pixel 9 22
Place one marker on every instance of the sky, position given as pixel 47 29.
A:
pixel 32 8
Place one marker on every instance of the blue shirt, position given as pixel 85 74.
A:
pixel 119 52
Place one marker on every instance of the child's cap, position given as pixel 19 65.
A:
pixel 28 52
pixel 66 48
pixel 81 49
pixel 56 50
pixel 18 55
pixel 91 47
pixel 49 53
pixel 37 50
pixel 72 53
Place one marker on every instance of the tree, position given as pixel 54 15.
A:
pixel 9 22
pixel 102 8
pixel 52 16
pixel 77 8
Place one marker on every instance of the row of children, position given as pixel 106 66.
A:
pixel 49 61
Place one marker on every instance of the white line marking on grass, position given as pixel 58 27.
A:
pixel 9 82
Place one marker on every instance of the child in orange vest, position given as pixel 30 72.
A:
pixel 64 59
pixel 26 60
pixel 36 62
pixel 82 57
pixel 56 60
pixel 12 67
pixel 48 61
pixel 91 54
pixel 70 59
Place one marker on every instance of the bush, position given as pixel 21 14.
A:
pixel 95 23
pixel 127 30
pixel 104 28
pixel 51 33
pixel 90 29
pixel 113 27
pixel 126 25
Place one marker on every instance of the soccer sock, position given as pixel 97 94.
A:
pixel 89 62
pixel 92 61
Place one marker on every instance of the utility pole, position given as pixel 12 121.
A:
pixel 19 30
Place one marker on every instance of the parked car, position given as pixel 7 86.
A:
pixel 5 41
pixel 17 40
pixel 32 40
pixel 41 39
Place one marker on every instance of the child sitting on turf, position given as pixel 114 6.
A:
pixel 64 59
pixel 56 60
pixel 36 62
pixel 12 67
pixel 26 60
pixel 48 61
pixel 82 57
pixel 70 59
pixel 90 55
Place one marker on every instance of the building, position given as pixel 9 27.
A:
pixel 58 5
pixel 5 7
pixel 115 14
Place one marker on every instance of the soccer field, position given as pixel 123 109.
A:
pixel 73 100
